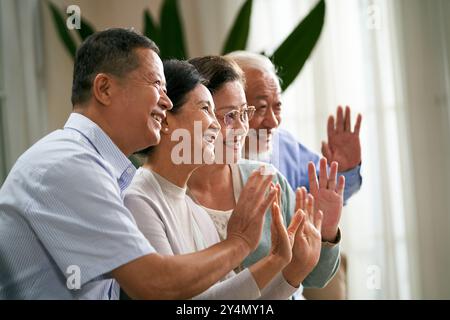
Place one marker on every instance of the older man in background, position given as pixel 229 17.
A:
pixel 280 147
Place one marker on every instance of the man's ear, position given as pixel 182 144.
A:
pixel 102 89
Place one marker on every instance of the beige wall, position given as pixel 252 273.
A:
pixel 206 23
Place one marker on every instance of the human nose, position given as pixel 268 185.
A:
pixel 241 122
pixel 270 121
pixel 215 124
pixel 164 101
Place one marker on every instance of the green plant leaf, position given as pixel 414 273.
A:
pixel 63 33
pixel 291 55
pixel 151 30
pixel 238 36
pixel 172 36
pixel 86 29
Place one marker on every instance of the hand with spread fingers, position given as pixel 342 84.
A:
pixel 281 241
pixel 280 255
pixel 328 196
pixel 304 234
pixel 246 222
pixel 343 145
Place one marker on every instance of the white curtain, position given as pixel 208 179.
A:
pixel 23 107
pixel 368 57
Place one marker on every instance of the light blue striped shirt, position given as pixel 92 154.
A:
pixel 62 217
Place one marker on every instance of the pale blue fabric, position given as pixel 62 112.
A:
pixel 291 158
pixel 62 206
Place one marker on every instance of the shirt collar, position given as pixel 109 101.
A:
pixel 124 170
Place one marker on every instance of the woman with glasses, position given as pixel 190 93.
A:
pixel 175 225
pixel 217 187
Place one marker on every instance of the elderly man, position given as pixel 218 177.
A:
pixel 64 230
pixel 279 146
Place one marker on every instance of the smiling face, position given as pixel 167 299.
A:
pixel 263 91
pixel 229 97
pixel 142 101
pixel 196 116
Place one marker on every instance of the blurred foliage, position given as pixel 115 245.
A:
pixel 289 57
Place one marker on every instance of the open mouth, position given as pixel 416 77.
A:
pixel 157 117
pixel 210 137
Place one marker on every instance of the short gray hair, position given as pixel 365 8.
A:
pixel 250 60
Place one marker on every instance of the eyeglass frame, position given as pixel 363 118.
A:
pixel 241 112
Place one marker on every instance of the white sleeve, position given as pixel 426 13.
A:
pixel 148 221
pixel 278 289
pixel 240 287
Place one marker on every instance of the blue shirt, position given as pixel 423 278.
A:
pixel 291 158
pixel 63 224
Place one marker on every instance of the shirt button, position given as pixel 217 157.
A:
pixel 129 170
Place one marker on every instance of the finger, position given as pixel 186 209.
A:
pixel 298 196
pixel 261 187
pixel 341 185
pixel 340 120
pixel 333 175
pixel 303 198
pixel 318 218
pixel 330 127
pixel 310 208
pixel 259 176
pixel 301 226
pixel 323 177
pixel 358 124
pixel 272 225
pixel 326 151
pixel 347 121
pixel 295 222
pixel 255 189
pixel 278 187
pixel 313 184
pixel 277 218
pixel 262 208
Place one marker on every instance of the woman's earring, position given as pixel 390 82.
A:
pixel 166 129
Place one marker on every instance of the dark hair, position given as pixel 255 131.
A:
pixel 181 79
pixel 110 51
pixel 218 70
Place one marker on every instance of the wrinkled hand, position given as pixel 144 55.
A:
pixel 247 219
pixel 343 145
pixel 328 196
pixel 305 234
pixel 281 242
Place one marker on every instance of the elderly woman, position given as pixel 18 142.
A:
pixel 217 187
pixel 175 225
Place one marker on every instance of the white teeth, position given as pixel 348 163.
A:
pixel 210 139
pixel 157 117
pixel 210 136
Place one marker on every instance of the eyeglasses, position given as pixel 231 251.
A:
pixel 244 115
